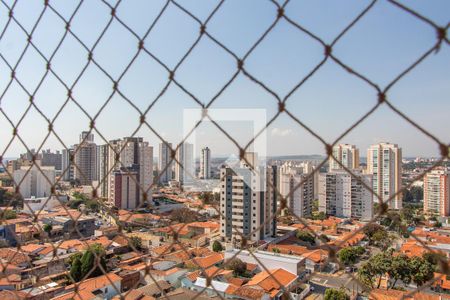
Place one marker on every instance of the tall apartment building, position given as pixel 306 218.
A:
pixel 436 192
pixel 205 163
pixel 85 169
pixel 50 159
pixel 342 195
pixel 384 162
pixel 125 192
pixel 134 156
pixel 185 165
pixel 164 162
pixel 347 155
pixel 247 200
pixel 102 170
pixel 299 199
pixel 67 168
pixel 34 182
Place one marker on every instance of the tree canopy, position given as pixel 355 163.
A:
pixel 398 267
pixel 336 294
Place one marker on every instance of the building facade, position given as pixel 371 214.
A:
pixel 384 162
pixel 130 158
pixel 247 200
pixel 50 159
pixel 35 182
pixel 347 155
pixel 436 193
pixel 102 170
pixel 296 185
pixel 164 163
pixel 185 164
pixel 344 196
pixel 85 169
pixel 205 163
pixel 67 167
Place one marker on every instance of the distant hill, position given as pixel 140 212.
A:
pixel 298 157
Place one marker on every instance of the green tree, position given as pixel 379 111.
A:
pixel 238 266
pixel 206 197
pixel 348 255
pixel 47 228
pixel 276 250
pixel 135 242
pixel 217 246
pixel 421 270
pixel 92 205
pixel 74 204
pixel 319 216
pixel 75 270
pixel 305 236
pixel 371 229
pixel 400 269
pixel 92 259
pixel 324 238
pixel 8 214
pixel 434 258
pixel 335 294
pixel 366 274
pixel 375 268
pixel 184 215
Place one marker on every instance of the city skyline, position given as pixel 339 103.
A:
pixel 421 95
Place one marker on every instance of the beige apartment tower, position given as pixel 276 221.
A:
pixel 436 193
pixel 384 162
pixel 347 155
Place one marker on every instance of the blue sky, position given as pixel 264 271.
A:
pixel 381 45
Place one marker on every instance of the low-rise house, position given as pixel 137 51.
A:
pixel 15 257
pixel 82 228
pixel 156 289
pixel 274 283
pixel 316 260
pixel 384 294
pixel 105 286
pixel 172 275
pixel 214 259
pixel 441 283
pixel 11 282
pixel 43 291
pixel 130 279
pixel 269 260
pixel 7 234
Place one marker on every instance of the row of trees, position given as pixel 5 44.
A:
pixel 399 267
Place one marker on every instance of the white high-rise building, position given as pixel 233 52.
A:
pixel 135 159
pixel 205 163
pixel 436 192
pixel 299 198
pixel 342 195
pixel 247 200
pixel 384 162
pixel 102 170
pixel 164 162
pixel 85 169
pixel 34 182
pixel 347 154
pixel 185 164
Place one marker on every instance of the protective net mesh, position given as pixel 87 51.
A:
pixel 142 39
